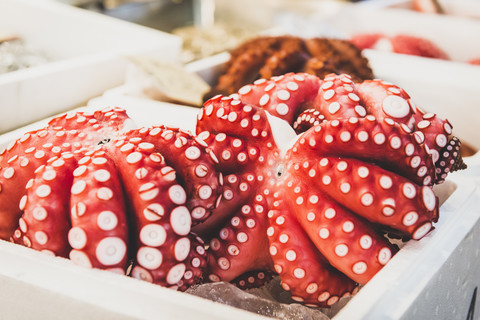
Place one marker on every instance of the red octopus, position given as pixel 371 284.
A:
pixel 313 209
pixel 400 43
pixel 87 188
pixel 316 211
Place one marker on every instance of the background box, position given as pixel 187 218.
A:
pixel 87 51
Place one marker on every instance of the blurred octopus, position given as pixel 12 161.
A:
pixel 90 188
pixel 268 56
pixel 316 210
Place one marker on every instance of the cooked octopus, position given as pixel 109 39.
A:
pixel 265 57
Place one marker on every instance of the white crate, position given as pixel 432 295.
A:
pixel 87 49
pixel 431 276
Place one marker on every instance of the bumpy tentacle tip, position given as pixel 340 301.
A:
pixel 450 160
pixel 458 164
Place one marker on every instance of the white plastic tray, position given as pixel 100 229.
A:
pixel 460 8
pixel 415 282
pixel 86 50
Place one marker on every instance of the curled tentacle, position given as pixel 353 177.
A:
pixel 193 163
pixel 303 269
pixel 338 98
pixel 442 145
pixel 162 221
pixel 44 224
pixel 195 263
pixel 381 141
pixel 241 245
pixel 386 100
pixel 285 96
pixel 99 234
pixel 308 119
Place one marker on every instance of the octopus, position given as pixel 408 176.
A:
pixel 242 199
pixel 316 211
pixel 400 43
pixel 268 56
pixel 90 188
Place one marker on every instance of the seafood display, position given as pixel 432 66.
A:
pixel 235 201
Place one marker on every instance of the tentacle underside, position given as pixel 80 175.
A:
pixel 161 218
pixel 44 224
pixel 302 268
pixel 194 166
pixel 285 96
pixel 253 279
pixel 18 163
pixel 99 235
pixel 349 243
pixel 381 141
pixel 241 245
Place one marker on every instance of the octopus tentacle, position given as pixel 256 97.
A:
pixel 95 125
pixel 101 184
pixel 381 141
pixel 233 154
pixel 99 233
pixel 442 145
pixel 195 263
pixel 245 63
pixel 12 189
pixel 241 245
pixel 386 100
pixel 196 173
pixel 379 194
pixel 450 159
pixel 162 221
pixel 235 118
pixel 253 279
pixel 18 163
pixel 266 57
pixel 338 98
pixel 236 192
pixel 348 242
pixel 302 268
pixel 336 56
pixel 383 99
pixel 44 224
pixel 290 55
pixel 307 119
pixel 284 96
pixel 21 157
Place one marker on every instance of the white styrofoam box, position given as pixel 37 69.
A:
pixel 87 51
pixel 457 36
pixel 462 8
pixel 426 278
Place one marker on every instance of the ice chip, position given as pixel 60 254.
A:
pixel 263 304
